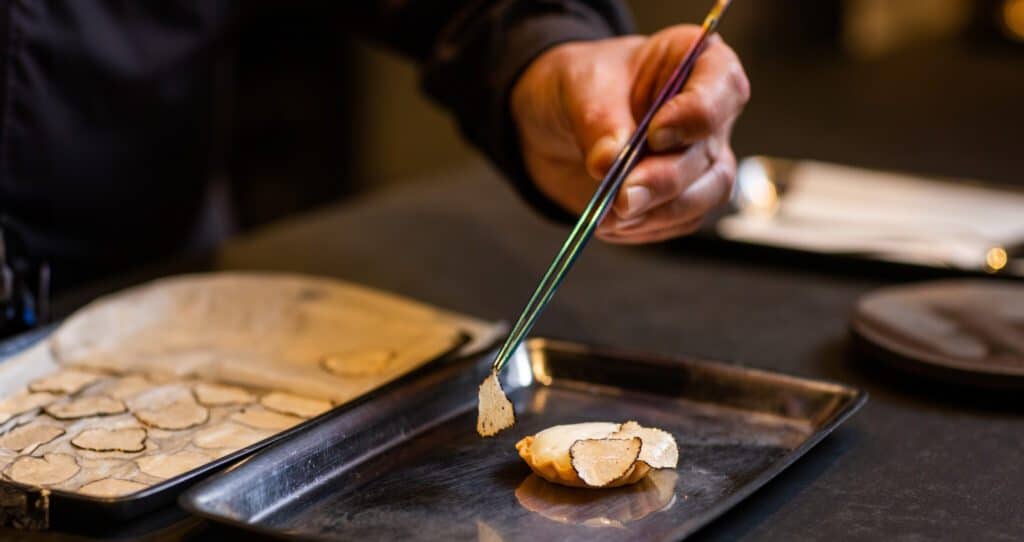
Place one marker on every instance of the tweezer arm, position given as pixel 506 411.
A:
pixel 599 204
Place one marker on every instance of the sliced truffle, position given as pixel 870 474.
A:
pixel 182 414
pixel 659 449
pixel 220 395
pixel 265 419
pixel 603 462
pixel 228 435
pixel 128 387
pixel 495 412
pixel 23 402
pixel 111 487
pixel 29 435
pixel 42 471
pixel 171 407
pixel 296 405
pixel 84 407
pixel 66 381
pixel 170 465
pixel 365 362
pixel 98 439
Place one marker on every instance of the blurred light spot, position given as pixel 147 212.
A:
pixel 1013 18
pixel 755 189
pixel 995 259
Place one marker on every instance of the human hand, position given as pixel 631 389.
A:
pixel 576 105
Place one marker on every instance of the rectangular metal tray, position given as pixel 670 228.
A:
pixel 32 508
pixel 411 467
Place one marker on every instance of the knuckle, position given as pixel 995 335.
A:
pixel 700 112
pixel 727 176
pixel 593 114
pixel 666 180
pixel 739 82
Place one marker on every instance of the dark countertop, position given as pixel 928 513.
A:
pixel 919 462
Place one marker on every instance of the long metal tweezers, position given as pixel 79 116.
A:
pixel 605 194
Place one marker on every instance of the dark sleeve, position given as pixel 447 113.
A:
pixel 471 52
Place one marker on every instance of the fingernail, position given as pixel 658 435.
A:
pixel 637 200
pixel 628 224
pixel 665 138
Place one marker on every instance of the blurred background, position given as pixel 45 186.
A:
pixel 930 86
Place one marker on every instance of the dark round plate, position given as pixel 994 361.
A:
pixel 965 331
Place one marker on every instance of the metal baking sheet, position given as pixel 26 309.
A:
pixel 33 508
pixel 411 467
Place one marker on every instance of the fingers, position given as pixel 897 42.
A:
pixel 661 178
pixel 601 124
pixel 682 214
pixel 713 97
pixel 670 232
pixel 597 106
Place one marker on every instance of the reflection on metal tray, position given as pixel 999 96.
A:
pixel 411 467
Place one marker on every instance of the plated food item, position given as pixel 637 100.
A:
pixel 598 454
pixel 495 412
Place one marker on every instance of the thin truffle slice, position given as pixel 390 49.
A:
pixel 111 487
pixel 495 412
pixel 66 381
pixel 84 407
pixel 366 362
pixel 23 402
pixel 296 405
pixel 265 419
pixel 605 462
pixel 171 407
pixel 98 439
pixel 659 449
pixel 228 435
pixel 29 435
pixel 128 387
pixel 181 414
pixel 42 471
pixel 170 465
pixel 220 395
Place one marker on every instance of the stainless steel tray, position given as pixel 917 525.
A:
pixel 33 508
pixel 409 466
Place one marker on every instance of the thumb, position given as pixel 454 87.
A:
pixel 601 122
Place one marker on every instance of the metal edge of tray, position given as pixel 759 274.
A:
pixel 854 399
pixel 68 509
